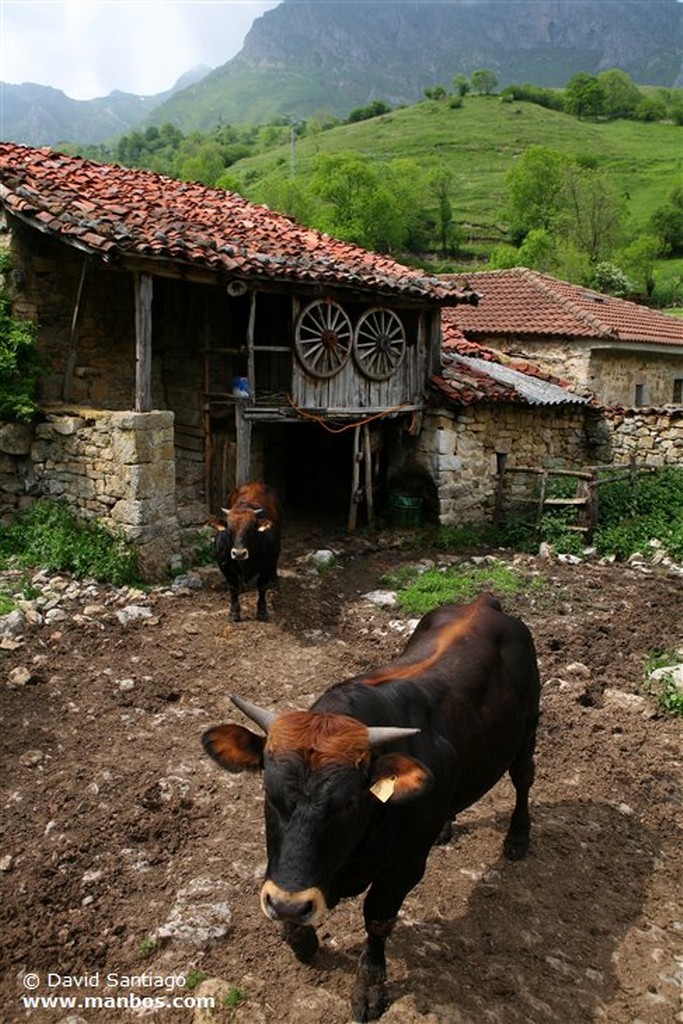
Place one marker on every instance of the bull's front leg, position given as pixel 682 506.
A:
pixel 369 999
pixel 235 615
pixel 265 580
pixel 261 607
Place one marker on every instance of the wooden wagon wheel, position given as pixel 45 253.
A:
pixel 323 336
pixel 379 343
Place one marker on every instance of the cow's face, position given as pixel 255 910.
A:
pixel 322 775
pixel 244 524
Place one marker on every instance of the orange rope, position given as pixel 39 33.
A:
pixel 347 426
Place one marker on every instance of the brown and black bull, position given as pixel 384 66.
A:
pixel 359 788
pixel 247 544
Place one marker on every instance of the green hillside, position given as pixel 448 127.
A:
pixel 477 144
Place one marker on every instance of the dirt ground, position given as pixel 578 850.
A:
pixel 130 862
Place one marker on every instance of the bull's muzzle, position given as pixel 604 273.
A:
pixel 305 907
pixel 239 554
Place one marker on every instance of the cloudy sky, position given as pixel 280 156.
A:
pixel 86 48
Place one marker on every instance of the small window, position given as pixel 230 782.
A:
pixel 678 391
pixel 641 394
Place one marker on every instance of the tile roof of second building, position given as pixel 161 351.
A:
pixel 115 212
pixel 525 302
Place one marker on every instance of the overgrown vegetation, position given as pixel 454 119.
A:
pixel 638 510
pixel 20 363
pixel 48 536
pixel 638 513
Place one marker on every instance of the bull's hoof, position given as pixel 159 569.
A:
pixel 262 615
pixel 303 940
pixel 235 617
pixel 516 845
pixel 368 1002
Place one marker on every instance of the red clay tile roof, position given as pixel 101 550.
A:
pixel 116 213
pixel 524 302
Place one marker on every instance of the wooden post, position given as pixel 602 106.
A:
pixel 143 342
pixel 355 480
pixel 243 454
pixel 367 455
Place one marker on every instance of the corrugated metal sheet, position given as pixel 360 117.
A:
pixel 531 389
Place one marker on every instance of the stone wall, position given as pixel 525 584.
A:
pixel 463 450
pixel 653 437
pixel 609 374
pixel 118 467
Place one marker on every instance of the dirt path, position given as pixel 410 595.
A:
pixel 117 829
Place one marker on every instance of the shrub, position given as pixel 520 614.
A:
pixel 639 509
pixel 48 535
pixel 20 366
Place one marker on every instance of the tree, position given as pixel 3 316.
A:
pixel 667 222
pixel 609 278
pixel 440 184
pixel 436 92
pixel 374 206
pixel 461 85
pixel 640 258
pixel 484 81
pixel 583 96
pixel 650 109
pixel 620 95
pixel 205 165
pixel 534 186
pixel 593 214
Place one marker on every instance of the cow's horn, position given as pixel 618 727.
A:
pixel 261 716
pixel 384 734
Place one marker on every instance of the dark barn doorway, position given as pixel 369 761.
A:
pixel 311 469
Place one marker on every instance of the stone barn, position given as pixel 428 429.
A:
pixel 194 341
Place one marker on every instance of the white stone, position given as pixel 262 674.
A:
pixel 382 598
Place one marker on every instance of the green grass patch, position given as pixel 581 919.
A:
pixel 147 946
pixel 234 997
pixel 194 977
pixel 48 536
pixel 424 591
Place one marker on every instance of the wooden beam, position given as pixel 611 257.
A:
pixel 73 335
pixel 251 367
pixel 143 342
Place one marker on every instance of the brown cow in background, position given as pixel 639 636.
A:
pixel 247 544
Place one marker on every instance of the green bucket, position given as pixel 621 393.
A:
pixel 405 511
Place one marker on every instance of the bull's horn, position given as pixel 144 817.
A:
pixel 384 734
pixel 261 716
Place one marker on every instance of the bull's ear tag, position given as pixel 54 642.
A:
pixel 383 789
pixel 265 525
